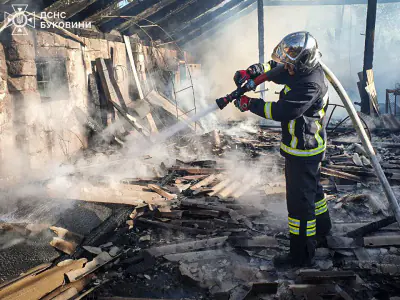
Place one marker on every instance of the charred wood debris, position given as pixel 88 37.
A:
pixel 198 230
pixel 202 236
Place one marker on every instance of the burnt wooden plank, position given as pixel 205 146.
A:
pixel 111 90
pixel 196 171
pixel 206 181
pixel 161 192
pixel 337 242
pixel 164 15
pixel 309 275
pixel 36 287
pixel 216 22
pixel 344 175
pixel 149 117
pixel 70 8
pixel 262 241
pixel 187 246
pixel 172 226
pixel 382 241
pixel 143 14
pixel 204 18
pixel 131 120
pixel 188 14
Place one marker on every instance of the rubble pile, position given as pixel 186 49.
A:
pixel 200 230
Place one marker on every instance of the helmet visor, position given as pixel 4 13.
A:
pixel 290 48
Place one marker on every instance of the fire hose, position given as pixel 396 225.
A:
pixel 268 76
pixel 364 139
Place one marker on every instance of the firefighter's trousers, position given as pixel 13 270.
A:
pixel 308 214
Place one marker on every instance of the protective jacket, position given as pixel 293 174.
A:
pixel 300 109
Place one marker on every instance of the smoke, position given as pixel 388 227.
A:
pixel 338 29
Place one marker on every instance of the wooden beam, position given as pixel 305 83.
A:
pixel 111 91
pixel 143 15
pixel 318 2
pixel 156 99
pixel 161 192
pixel 368 53
pixel 99 15
pixel 70 8
pixel 197 10
pixel 203 17
pixel 131 120
pixel 163 16
pixel 104 16
pixel 214 23
pixel 149 117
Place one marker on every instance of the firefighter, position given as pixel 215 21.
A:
pixel 301 110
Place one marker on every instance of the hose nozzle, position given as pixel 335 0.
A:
pixel 222 102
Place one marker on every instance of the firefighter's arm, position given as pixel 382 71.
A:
pixel 290 107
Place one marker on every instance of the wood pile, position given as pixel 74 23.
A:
pixel 198 228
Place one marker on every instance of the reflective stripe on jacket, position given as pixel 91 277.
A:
pixel 301 110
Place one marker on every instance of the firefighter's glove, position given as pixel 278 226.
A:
pixel 241 77
pixel 251 85
pixel 243 104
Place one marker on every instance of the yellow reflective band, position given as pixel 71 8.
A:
pixel 286 89
pixel 325 101
pixel 311 232
pixel 311 224
pixel 320 203
pixel 267 67
pixel 321 210
pixel 303 153
pixel 267 110
pixel 292 128
pixel 321 113
pixel 295 231
pixel 317 136
pixel 295 222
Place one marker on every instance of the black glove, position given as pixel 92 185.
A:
pixel 240 77
pixel 243 104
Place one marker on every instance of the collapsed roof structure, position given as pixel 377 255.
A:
pixel 97 200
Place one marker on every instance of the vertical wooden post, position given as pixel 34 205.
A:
pixel 368 53
pixel 261 50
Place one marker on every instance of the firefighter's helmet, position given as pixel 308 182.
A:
pixel 299 49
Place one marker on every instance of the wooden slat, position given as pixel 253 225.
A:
pixel 149 117
pixel 106 82
pixel 143 15
pixel 220 186
pixel 228 189
pixel 131 120
pixel 382 241
pixel 340 174
pixel 71 8
pixel 206 181
pixel 36 287
pixel 121 194
pixel 161 192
